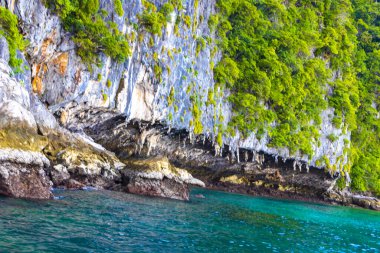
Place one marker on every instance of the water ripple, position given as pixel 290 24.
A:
pixel 102 221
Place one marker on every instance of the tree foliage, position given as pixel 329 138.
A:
pixel 91 33
pixel 9 29
pixel 287 61
pixel 118 7
pixel 365 172
pixel 154 20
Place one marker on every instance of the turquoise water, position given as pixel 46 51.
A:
pixel 102 221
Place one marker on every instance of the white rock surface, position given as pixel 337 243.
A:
pixel 23 157
pixel 13 114
pixel 135 90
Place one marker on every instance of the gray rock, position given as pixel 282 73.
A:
pixel 23 157
pixel 24 77
pixel 10 89
pixel 135 90
pixel 59 175
pixel 59 79
pixel 45 120
pixel 165 188
pixel 22 174
pixel 4 49
pixel 13 115
pixel 157 177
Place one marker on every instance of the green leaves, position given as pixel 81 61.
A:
pixel 365 173
pixel 9 29
pixel 227 72
pixel 276 86
pixel 154 21
pixel 286 62
pixel 90 32
pixel 118 7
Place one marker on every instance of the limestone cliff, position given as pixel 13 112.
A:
pixel 133 88
pixel 156 88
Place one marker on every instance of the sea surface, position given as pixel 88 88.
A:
pixel 104 221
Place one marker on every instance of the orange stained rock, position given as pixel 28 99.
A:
pixel 61 62
pixel 37 85
pixel 44 47
pixel 37 81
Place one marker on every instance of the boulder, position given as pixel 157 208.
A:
pixel 22 174
pixel 75 168
pixel 157 177
pixel 13 114
pixel 10 89
pixel 366 202
pixel 345 197
pixel 59 175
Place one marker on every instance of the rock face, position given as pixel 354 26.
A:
pixel 347 198
pixel 34 149
pixel 62 112
pixel 22 164
pixel 4 49
pixel 22 174
pixel 76 168
pixel 157 177
pixel 59 77
pixel 14 115
pixel 256 174
pixel 36 154
pixel 366 202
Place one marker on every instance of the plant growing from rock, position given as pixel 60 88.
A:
pixel 91 33
pixel 9 29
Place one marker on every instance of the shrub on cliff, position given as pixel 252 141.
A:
pixel 91 33
pixel 297 58
pixel 9 29
pixel 152 20
pixel 118 7
pixel 365 173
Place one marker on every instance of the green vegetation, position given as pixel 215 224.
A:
pixel 170 116
pixel 158 72
pixel 201 45
pixel 210 98
pixel 152 20
pixel 171 98
pixel 219 139
pixel 9 29
pixel 105 97
pixel 365 173
pixel 118 7
pixel 197 114
pixel 187 21
pixel 170 54
pixel 287 61
pixel 91 33
pixel 213 22
pixel 332 137
pixel 109 83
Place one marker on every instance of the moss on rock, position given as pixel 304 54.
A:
pixel 234 179
pixel 22 139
